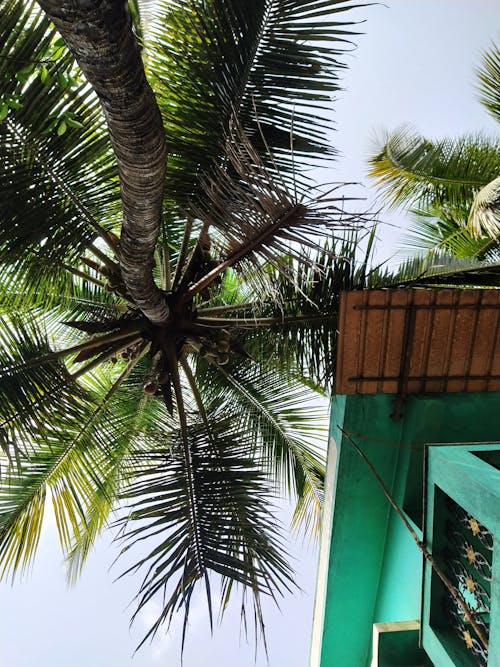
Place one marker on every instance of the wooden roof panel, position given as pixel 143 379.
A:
pixel 418 341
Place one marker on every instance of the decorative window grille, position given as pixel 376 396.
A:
pixel 467 558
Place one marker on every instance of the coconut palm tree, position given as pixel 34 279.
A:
pixel 452 186
pixel 140 364
pixel 170 282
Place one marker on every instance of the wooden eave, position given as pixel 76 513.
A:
pixel 412 341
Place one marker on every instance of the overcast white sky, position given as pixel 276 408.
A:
pixel 414 64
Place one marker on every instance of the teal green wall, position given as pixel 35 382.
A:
pixel 398 597
pixel 375 568
pixel 358 535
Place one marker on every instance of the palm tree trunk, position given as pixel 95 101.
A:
pixel 99 34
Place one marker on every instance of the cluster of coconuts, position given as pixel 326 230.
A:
pixel 128 354
pixel 215 349
pixel 158 376
pixel 152 386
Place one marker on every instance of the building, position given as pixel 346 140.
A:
pixel 418 391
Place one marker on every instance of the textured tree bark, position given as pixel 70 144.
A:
pixel 99 34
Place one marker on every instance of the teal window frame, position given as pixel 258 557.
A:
pixel 474 484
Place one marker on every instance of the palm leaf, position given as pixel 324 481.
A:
pixel 282 419
pixel 260 220
pixel 484 216
pixel 489 81
pixel 442 269
pixel 35 388
pixel 227 531
pixel 438 229
pixel 410 169
pixel 57 185
pixel 210 61
pixel 129 418
pixel 77 459
pixel 300 314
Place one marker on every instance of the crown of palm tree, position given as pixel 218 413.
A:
pixel 451 185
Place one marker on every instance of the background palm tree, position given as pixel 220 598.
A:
pixel 451 185
pixel 163 329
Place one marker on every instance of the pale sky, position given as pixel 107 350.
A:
pixel 415 64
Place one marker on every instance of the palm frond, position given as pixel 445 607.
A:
pixel 227 532
pixel 129 418
pixel 77 459
pixel 489 81
pixel 35 387
pixel 442 269
pixel 409 169
pixel 259 219
pixel 439 229
pixel 484 216
pixel 57 172
pixel 282 418
pixel 49 460
pixel 212 61
pixel 300 314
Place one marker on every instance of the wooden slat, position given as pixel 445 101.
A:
pixel 373 335
pixel 394 340
pixel 440 345
pixel 349 338
pixel 462 337
pixel 420 338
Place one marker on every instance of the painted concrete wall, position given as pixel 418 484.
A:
pixel 398 596
pixel 374 571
